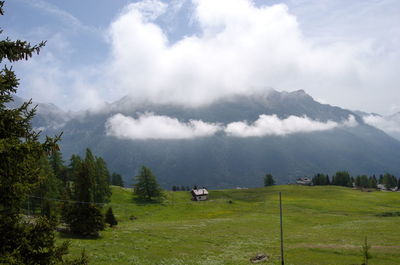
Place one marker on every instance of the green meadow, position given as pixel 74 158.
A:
pixel 322 225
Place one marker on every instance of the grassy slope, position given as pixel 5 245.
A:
pixel 322 225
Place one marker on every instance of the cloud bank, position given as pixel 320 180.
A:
pixel 267 125
pixel 240 50
pixel 390 124
pixel 151 126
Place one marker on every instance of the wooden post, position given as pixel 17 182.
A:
pixel 280 211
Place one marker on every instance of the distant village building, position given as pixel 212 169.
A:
pixel 381 187
pixel 304 181
pixel 199 194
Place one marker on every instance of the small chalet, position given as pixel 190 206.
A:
pixel 304 181
pixel 199 194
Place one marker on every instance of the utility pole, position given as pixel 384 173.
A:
pixel 280 211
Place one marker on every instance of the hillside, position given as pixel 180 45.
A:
pixel 226 161
pixel 322 225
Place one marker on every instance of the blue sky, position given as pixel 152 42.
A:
pixel 341 52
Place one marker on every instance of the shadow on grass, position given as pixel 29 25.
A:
pixel 143 202
pixel 65 233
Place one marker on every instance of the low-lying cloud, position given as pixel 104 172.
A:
pixel 271 125
pixel 389 124
pixel 151 126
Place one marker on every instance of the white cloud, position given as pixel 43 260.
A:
pixel 150 126
pixel 241 50
pixel 272 125
pixel 334 50
pixel 390 124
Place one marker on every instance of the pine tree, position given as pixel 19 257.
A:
pixel 116 180
pixel 110 218
pixel 102 192
pixel 83 217
pixel 372 182
pixel 146 187
pixel 269 180
pixel 22 242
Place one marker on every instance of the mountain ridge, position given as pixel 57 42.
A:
pixel 223 161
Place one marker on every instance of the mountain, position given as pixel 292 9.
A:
pixel 223 160
pixel 48 116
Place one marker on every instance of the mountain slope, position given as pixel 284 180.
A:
pixel 222 161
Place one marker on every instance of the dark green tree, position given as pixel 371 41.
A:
pixel 389 181
pixel 372 183
pixel 320 179
pixel 110 218
pixel 269 180
pixel 83 217
pixel 342 178
pixel 116 180
pixel 146 187
pixel 22 241
pixel 102 191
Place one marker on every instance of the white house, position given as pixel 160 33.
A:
pixel 304 181
pixel 199 194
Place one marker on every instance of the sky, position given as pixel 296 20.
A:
pixel 193 52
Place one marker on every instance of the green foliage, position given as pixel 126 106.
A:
pixel 116 180
pixel 389 181
pixel 342 178
pixel 102 191
pixel 23 240
pixel 321 179
pixel 362 181
pixel 146 187
pixel 269 180
pixel 85 219
pixel 110 218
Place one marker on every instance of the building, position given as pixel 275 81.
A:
pixel 304 181
pixel 199 194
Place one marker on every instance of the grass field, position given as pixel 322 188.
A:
pixel 322 225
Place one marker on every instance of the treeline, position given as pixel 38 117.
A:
pixel 343 178
pixel 74 193
pixel 180 188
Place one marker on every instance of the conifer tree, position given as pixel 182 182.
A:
pixel 146 187
pixel 110 218
pixel 83 216
pixel 22 242
pixel 116 180
pixel 269 180
pixel 102 191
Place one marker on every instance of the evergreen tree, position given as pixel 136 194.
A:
pixel 269 180
pixel 110 218
pixel 102 192
pixel 342 178
pixel 57 164
pixel 328 182
pixel 83 217
pixel 116 180
pixel 389 181
pixel 372 183
pixel 22 242
pixel 320 179
pixel 146 187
